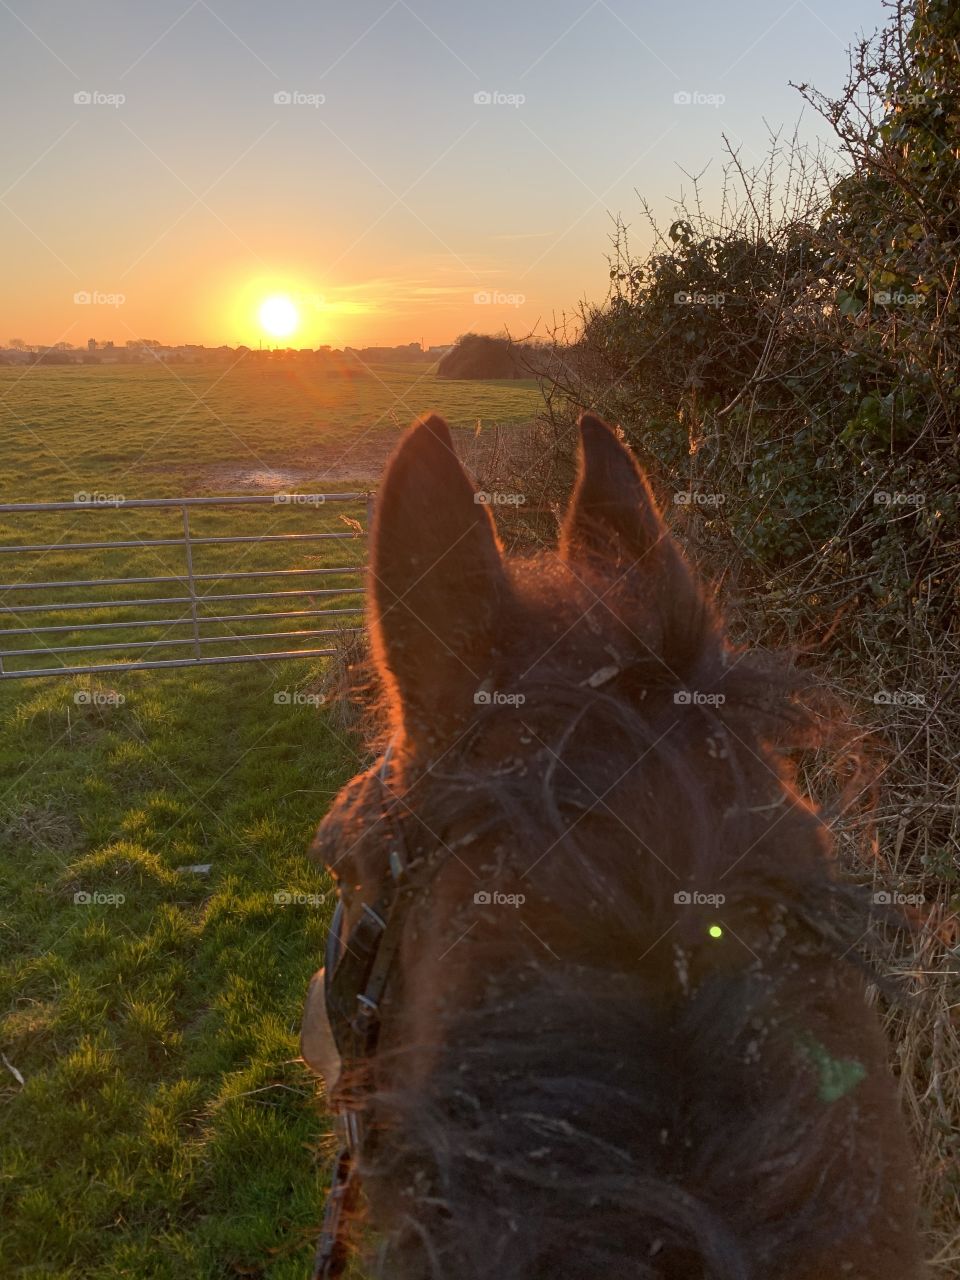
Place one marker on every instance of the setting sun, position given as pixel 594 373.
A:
pixel 278 316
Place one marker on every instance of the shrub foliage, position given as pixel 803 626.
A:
pixel 790 372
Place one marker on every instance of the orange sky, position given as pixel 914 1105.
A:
pixel 400 170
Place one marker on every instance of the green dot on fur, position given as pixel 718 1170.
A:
pixel 838 1076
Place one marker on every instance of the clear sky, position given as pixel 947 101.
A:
pixel 382 197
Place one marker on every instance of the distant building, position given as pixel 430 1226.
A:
pixel 91 344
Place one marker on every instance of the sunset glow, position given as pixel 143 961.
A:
pixel 278 316
pixel 397 213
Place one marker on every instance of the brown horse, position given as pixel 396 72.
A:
pixel 596 990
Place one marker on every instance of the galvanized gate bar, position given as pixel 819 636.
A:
pixel 197 577
pixel 174 622
pixel 154 600
pixel 133 504
pixel 162 643
pixel 188 552
pixel 177 542
pixel 171 662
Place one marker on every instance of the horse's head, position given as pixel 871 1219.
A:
pixel 619 1028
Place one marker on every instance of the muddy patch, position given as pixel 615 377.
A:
pixel 360 463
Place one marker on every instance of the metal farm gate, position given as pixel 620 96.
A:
pixel 34 642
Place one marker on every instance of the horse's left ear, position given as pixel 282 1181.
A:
pixel 437 585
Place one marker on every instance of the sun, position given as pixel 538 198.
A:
pixel 278 316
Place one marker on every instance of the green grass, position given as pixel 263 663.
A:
pixel 165 1127
pixel 148 431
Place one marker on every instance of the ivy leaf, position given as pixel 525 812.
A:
pixel 848 304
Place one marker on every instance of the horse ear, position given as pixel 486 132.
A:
pixel 612 514
pixel 437 585
pixel 613 518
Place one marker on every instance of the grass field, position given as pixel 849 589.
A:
pixel 156 1122
pixel 152 431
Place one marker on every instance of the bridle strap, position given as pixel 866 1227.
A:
pixel 351 977
pixel 357 973
pixel 331 1257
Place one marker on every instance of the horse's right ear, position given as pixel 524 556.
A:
pixel 612 514
pixel 613 519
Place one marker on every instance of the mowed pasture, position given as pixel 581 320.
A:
pixel 156 1119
